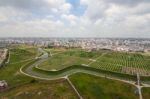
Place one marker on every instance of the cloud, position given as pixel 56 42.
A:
pixel 52 18
pixel 22 4
pixel 130 3
pixel 94 9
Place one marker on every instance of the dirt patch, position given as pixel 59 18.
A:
pixel 134 71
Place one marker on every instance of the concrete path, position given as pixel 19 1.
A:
pixel 96 59
pixel 139 86
pixel 80 97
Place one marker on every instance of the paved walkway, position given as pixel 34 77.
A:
pixel 96 59
pixel 80 97
pixel 29 72
pixel 139 86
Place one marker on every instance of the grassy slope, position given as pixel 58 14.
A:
pixel 54 50
pixel 10 72
pixel 146 93
pixel 61 61
pixel 42 90
pixel 112 61
pixel 92 87
pixel 20 86
pixel 68 57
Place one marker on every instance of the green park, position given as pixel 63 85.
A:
pixel 73 73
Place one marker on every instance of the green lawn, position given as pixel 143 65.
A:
pixel 59 89
pixel 92 87
pixel 146 93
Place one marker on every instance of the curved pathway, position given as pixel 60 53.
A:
pixel 28 70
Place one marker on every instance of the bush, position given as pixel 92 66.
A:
pixel 33 81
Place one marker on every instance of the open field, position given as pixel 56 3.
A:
pixel 61 61
pixel 54 50
pixel 92 87
pixel 83 54
pixel 59 89
pixel 18 57
pixel 66 58
pixel 21 86
pixel 146 93
pixel 128 63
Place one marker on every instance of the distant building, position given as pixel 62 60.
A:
pixel 3 56
pixel 3 85
pixel 147 50
pixel 3 45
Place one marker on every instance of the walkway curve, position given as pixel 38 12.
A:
pixel 38 73
pixel 34 71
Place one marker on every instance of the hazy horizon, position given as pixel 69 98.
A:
pixel 75 18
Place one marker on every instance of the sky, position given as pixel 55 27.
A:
pixel 75 18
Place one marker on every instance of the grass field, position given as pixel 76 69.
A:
pixel 92 87
pixel 18 57
pixel 129 63
pixel 146 93
pixel 21 86
pixel 64 59
pixel 60 61
pixel 54 50
pixel 59 89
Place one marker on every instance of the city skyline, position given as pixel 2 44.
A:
pixel 75 18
